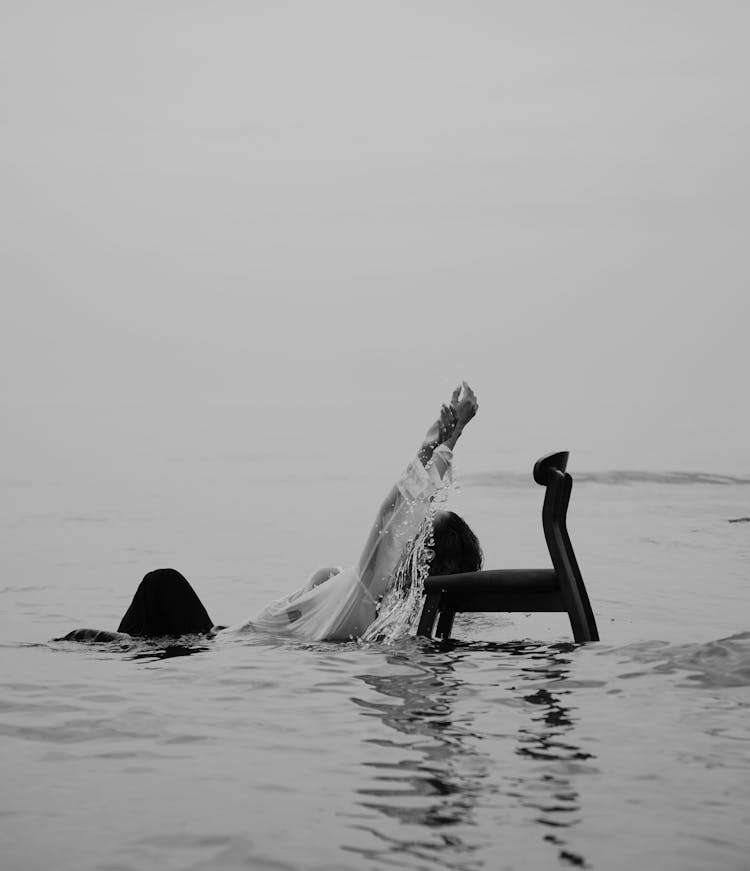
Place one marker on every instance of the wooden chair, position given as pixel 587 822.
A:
pixel 560 588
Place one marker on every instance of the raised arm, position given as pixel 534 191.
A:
pixel 450 424
pixel 406 504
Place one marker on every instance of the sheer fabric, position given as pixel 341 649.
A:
pixel 342 606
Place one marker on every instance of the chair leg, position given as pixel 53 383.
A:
pixel 445 625
pixel 581 630
pixel 429 612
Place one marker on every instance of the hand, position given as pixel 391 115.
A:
pixel 443 428
pixel 464 405
pixel 451 422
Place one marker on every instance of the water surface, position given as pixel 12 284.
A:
pixel 508 747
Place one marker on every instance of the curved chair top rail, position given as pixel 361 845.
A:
pixel 543 466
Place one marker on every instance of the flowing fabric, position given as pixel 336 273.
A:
pixel 346 604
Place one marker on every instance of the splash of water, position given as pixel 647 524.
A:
pixel 399 611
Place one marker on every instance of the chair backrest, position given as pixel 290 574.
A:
pixel 560 588
pixel 550 472
pixel 551 462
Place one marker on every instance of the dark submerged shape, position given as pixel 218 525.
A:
pixel 558 589
pixel 165 605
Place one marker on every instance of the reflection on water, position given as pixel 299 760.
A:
pixel 438 778
pixel 170 650
pixel 443 785
pixel 550 791
pixel 135 648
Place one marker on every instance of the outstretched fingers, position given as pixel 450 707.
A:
pixel 470 395
pixel 447 422
pixel 467 405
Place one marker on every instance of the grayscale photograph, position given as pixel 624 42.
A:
pixel 375 473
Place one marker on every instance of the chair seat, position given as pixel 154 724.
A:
pixel 498 590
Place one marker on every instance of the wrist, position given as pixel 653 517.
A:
pixel 450 442
pixel 424 454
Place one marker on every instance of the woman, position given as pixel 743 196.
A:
pixel 336 604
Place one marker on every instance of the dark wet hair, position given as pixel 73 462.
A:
pixel 456 547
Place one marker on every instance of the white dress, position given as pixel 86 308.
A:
pixel 339 605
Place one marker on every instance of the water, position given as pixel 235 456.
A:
pixel 508 747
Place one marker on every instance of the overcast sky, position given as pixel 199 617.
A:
pixel 255 225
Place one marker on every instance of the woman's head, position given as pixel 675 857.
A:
pixel 456 548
